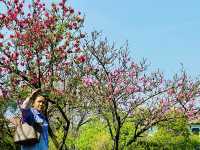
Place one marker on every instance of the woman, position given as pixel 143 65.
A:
pixel 33 113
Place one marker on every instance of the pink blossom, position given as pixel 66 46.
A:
pixel 116 90
pixel 132 74
pixel 88 81
pixel 70 25
pixel 71 10
pixel 6 62
pixel 11 36
pixel 190 114
pixel 29 54
pixel 76 44
pixel 14 55
pixel 46 14
pixel 2 16
pixel 129 89
pixel 13 16
pixel 180 96
pixel 9 44
pixel 170 91
pixel 164 102
pixel 81 58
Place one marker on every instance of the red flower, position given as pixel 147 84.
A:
pixel 17 35
pixel 1 44
pixel 81 58
pixel 14 56
pixel 2 16
pixel 13 16
pixel 76 45
pixel 46 14
pixel 29 54
pixel 1 36
pixel 11 36
pixel 71 10
pixel 9 44
pixel 15 1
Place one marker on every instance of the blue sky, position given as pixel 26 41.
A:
pixel 167 33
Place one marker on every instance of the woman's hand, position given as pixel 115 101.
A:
pixel 28 100
pixel 34 93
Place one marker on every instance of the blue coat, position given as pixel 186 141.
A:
pixel 32 115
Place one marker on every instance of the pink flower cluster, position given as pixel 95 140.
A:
pixel 89 81
pixel 81 58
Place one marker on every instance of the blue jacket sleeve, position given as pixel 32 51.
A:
pixel 27 116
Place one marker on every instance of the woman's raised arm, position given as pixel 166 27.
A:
pixel 26 104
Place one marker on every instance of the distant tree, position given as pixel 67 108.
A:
pixel 120 90
pixel 173 134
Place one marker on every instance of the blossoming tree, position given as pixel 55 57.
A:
pixel 38 46
pixel 122 91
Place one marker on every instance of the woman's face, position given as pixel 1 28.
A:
pixel 39 103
